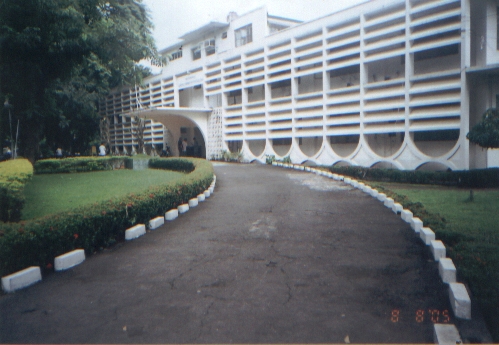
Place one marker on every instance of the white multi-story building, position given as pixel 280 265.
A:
pixel 388 83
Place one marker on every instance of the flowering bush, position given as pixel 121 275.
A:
pixel 38 242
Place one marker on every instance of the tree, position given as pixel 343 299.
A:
pixel 58 57
pixel 137 130
pixel 486 132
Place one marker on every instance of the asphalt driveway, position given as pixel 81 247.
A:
pixel 273 256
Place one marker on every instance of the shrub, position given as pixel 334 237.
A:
pixel 14 174
pixel 478 178
pixel 175 164
pixel 96 226
pixel 78 164
pixel 269 159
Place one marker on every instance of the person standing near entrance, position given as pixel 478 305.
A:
pixel 179 146
pixel 184 147
pixel 196 148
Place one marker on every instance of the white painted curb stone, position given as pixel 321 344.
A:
pixel 446 334
pixel 135 231
pixel 427 235
pixel 447 270
pixel 183 208
pixel 406 216
pixel 171 214
pixel 416 224
pixel 382 197
pixel 307 169
pixel 193 202
pixel 21 279
pixel 389 203
pixel 397 208
pixel 207 193
pixel 156 222
pixel 460 301
pixel 438 250
pixel 201 197
pixel 68 260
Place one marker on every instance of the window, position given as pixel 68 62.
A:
pixel 436 52
pixel 283 141
pixel 209 47
pixel 275 28
pixel 244 35
pixel 224 35
pixel 196 53
pixel 441 135
pixel 234 97
pixel 176 55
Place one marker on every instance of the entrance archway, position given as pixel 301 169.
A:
pixel 183 123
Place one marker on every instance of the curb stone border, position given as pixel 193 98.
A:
pixel 69 260
pixel 31 275
pixel 21 279
pixel 458 294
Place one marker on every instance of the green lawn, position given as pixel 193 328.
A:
pixel 479 217
pixel 471 235
pixel 53 193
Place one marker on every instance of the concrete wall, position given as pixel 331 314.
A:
pixel 191 97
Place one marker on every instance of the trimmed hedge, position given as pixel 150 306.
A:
pixel 478 178
pixel 14 174
pixel 79 164
pixel 175 164
pixel 97 226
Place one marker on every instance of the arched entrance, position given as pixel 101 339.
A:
pixel 190 124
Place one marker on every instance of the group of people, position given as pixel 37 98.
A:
pixel 185 150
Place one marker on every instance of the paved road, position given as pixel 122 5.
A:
pixel 274 256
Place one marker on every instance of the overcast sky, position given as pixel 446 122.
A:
pixel 173 18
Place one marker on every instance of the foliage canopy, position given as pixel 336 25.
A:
pixel 486 132
pixel 58 57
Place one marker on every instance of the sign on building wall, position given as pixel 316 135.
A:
pixel 190 80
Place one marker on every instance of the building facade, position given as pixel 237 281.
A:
pixel 388 83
